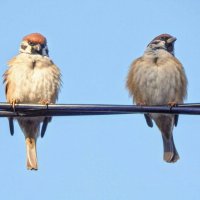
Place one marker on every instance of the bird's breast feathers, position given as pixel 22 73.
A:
pixel 157 81
pixel 32 78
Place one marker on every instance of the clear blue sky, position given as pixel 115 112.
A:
pixel 101 157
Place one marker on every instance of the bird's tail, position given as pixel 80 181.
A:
pixel 166 124
pixel 170 152
pixel 31 154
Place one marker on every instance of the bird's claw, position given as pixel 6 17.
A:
pixel 172 104
pixel 44 101
pixel 13 103
pixel 141 103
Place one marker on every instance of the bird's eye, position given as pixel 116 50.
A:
pixel 31 43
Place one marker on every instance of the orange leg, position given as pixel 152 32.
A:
pixel 172 104
pixel 13 103
pixel 141 103
pixel 44 101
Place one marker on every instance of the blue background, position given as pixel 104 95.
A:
pixel 101 157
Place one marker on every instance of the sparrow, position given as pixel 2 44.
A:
pixel 32 77
pixel 158 78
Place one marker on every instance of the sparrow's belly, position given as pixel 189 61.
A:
pixel 33 91
pixel 158 86
pixel 34 86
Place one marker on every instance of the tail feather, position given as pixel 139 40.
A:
pixel 170 152
pixel 31 154
pixel 166 124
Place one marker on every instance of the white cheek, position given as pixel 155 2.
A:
pixel 28 49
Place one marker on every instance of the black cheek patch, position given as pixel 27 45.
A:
pixel 23 47
pixel 170 48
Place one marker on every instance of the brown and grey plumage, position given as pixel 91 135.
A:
pixel 158 78
pixel 32 77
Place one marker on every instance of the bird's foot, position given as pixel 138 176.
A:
pixel 172 103
pixel 44 101
pixel 13 103
pixel 141 103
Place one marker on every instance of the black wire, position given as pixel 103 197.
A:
pixel 33 110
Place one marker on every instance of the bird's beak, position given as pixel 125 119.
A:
pixel 36 48
pixel 171 40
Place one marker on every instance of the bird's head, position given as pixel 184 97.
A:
pixel 34 43
pixel 163 41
